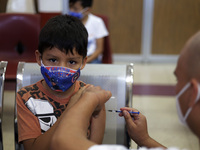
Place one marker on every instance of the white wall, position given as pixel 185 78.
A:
pixel 50 5
pixel 27 6
pixel 20 6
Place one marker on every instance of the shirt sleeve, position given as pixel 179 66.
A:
pixel 27 122
pixel 102 30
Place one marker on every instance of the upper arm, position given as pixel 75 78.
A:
pixel 42 142
pixel 27 122
pixel 29 130
pixel 98 127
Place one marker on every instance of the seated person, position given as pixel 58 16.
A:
pixel 94 25
pixel 61 54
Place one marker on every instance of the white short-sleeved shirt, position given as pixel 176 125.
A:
pixel 96 29
pixel 120 147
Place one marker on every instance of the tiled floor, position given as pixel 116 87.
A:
pixel 160 109
pixel 154 96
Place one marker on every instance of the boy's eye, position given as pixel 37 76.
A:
pixel 52 60
pixel 72 62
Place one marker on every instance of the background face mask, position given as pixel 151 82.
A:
pixel 79 15
pixel 180 114
pixel 59 78
pixel 76 14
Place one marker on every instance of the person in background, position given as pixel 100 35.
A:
pixel 94 25
pixel 61 55
pixel 187 73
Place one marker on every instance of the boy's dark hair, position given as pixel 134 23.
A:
pixel 65 33
pixel 84 3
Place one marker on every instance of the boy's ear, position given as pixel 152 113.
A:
pixel 84 62
pixel 38 57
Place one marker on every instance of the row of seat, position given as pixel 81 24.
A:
pixel 19 39
pixel 116 78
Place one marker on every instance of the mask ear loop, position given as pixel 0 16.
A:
pixel 196 100
pixel 183 90
pixel 84 10
pixel 41 63
pixel 81 66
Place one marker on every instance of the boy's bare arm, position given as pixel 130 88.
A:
pixel 98 127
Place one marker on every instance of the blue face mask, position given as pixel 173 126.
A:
pixel 59 78
pixel 79 15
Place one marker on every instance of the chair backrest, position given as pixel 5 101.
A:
pixel 3 66
pixel 45 16
pixel 7 111
pixel 116 78
pixel 107 52
pixel 18 39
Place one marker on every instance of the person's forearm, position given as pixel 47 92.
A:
pixel 94 55
pixel 98 50
pixel 75 122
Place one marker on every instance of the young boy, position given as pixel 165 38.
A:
pixel 94 25
pixel 61 54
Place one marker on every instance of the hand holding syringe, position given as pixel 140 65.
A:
pixel 119 111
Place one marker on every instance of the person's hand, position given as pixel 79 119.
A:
pixel 136 125
pixel 76 96
pixel 99 95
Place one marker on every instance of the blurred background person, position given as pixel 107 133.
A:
pixel 94 25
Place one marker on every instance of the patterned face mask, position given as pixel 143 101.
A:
pixel 59 78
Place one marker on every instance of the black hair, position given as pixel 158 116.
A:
pixel 65 33
pixel 84 3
